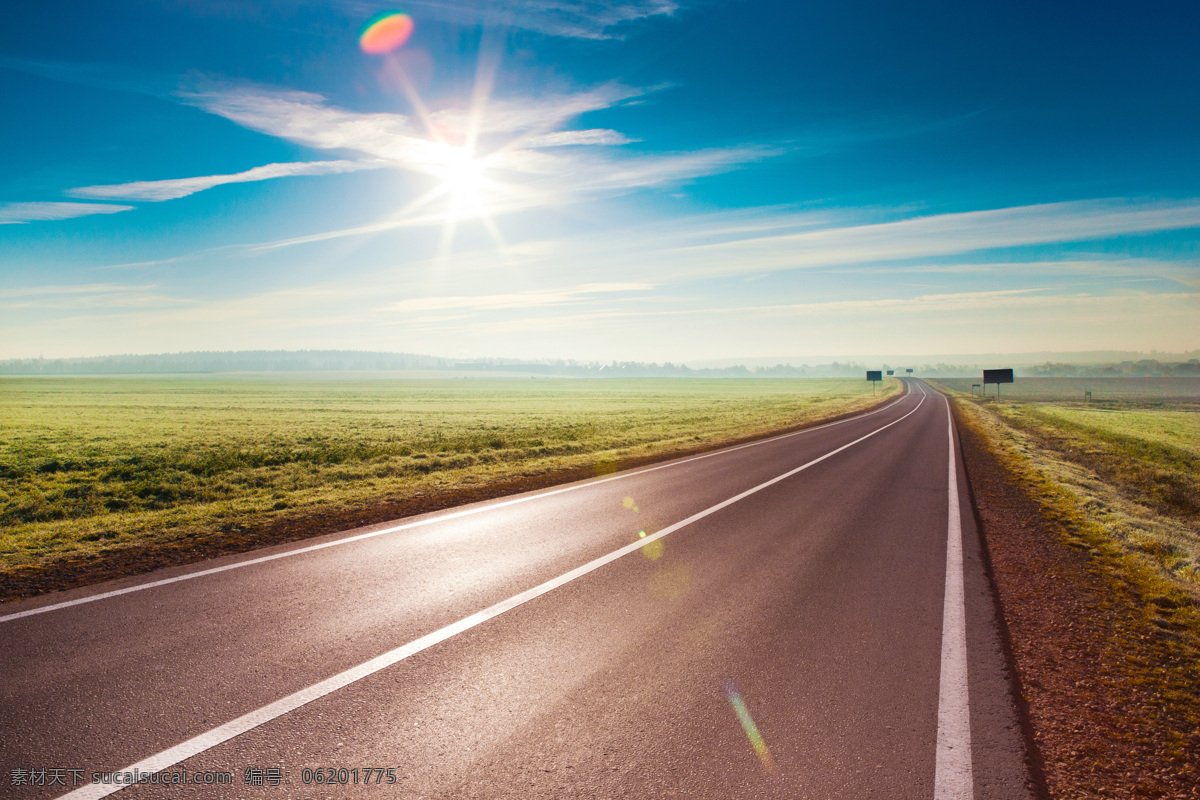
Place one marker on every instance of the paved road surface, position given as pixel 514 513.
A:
pixel 802 618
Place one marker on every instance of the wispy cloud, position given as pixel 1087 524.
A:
pixel 152 263
pixel 182 187
pixel 591 136
pixel 761 242
pixel 829 239
pixel 99 296
pixel 1186 273
pixel 305 118
pixel 528 161
pixel 308 119
pixel 523 146
pixel 948 234
pixel 606 174
pixel 947 309
pixel 531 299
pixel 83 288
pixel 545 112
pixel 16 213
pixel 576 19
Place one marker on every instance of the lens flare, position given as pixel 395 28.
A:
pixel 743 715
pixel 671 582
pixel 654 550
pixel 385 33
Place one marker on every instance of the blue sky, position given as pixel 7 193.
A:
pixel 640 180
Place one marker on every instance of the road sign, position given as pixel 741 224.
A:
pixel 891 372
pixel 874 374
pixel 996 376
pixel 909 371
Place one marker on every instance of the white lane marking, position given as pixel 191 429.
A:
pixel 430 521
pixel 953 779
pixel 254 719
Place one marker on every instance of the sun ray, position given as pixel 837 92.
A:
pixel 446 240
pixel 486 66
pixel 396 71
pixel 468 188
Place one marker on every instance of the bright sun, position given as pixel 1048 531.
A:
pixel 463 181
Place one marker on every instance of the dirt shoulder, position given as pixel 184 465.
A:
pixel 1110 692
pixel 118 562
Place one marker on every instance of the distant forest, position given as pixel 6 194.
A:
pixel 1144 368
pixel 226 361
pixel 359 361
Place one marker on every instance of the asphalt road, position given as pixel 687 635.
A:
pixel 784 619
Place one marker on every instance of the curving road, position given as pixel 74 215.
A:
pixel 803 617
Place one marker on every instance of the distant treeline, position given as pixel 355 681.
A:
pixel 1146 368
pixel 227 361
pixel 358 361
pixel 639 369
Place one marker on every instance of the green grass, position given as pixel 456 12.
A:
pixel 1172 430
pixel 91 465
pixel 1106 392
pixel 1130 460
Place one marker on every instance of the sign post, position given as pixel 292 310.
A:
pixel 996 376
pixel 874 375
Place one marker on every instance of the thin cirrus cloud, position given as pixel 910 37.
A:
pixel 928 236
pixel 1035 306
pixel 174 188
pixel 308 119
pixel 547 186
pixel 19 213
pixel 770 241
pixel 98 297
pixel 574 19
pixel 533 299
pixel 566 138
pixel 1185 273
pixel 533 165
pixel 543 113
pixel 305 118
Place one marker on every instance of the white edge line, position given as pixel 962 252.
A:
pixel 261 716
pixel 428 521
pixel 953 779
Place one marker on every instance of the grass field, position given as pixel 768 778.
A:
pixel 1131 456
pixel 89 466
pixel 1106 392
